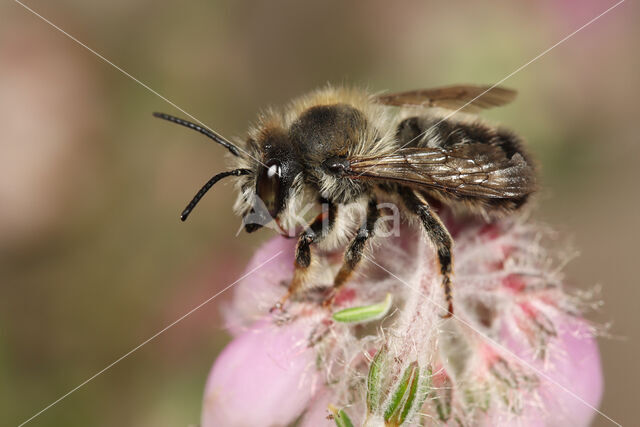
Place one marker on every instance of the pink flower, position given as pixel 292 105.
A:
pixel 264 374
pixel 516 352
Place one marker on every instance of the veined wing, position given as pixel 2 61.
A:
pixel 472 170
pixel 468 98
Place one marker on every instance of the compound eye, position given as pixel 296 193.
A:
pixel 268 186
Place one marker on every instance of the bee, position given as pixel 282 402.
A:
pixel 344 147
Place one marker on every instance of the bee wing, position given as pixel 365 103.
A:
pixel 473 170
pixel 468 98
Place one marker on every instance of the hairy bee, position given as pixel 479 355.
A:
pixel 344 147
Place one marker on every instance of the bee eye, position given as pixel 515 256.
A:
pixel 268 186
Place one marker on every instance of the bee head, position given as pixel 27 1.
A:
pixel 280 165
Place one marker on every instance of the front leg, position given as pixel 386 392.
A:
pixel 315 232
pixel 353 254
pixel 440 238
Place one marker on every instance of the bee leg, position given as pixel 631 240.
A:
pixel 439 236
pixel 353 254
pixel 316 231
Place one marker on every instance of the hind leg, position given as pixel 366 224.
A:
pixel 440 238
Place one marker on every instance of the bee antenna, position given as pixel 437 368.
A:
pixel 192 204
pixel 211 134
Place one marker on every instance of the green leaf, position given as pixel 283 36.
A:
pixel 443 406
pixel 374 379
pixel 340 417
pixel 424 387
pixel 413 388
pixel 404 396
pixel 364 313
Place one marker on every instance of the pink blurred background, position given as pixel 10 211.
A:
pixel 93 257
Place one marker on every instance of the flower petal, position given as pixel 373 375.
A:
pixel 255 294
pixel 266 376
pixel 576 366
pixel 575 381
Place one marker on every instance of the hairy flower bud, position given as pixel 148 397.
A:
pixel 515 351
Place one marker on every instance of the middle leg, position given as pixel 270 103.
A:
pixel 353 254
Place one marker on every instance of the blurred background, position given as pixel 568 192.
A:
pixel 93 257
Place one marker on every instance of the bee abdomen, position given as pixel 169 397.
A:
pixel 435 132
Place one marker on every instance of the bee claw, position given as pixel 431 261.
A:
pixel 449 312
pixel 276 307
pixel 279 306
pixel 328 301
